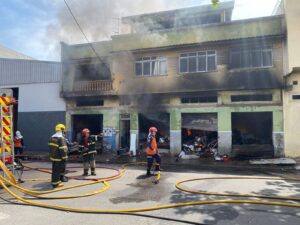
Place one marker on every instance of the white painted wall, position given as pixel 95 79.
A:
pixel 39 97
pixel 292 9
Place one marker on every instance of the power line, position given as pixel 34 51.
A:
pixel 87 40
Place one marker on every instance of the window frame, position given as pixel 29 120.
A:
pixel 191 100
pixel 261 97
pixel 199 54
pixel 295 95
pixel 244 51
pixel 152 60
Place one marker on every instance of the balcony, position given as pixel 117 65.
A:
pixel 90 88
pixel 239 29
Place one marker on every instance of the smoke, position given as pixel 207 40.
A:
pixel 99 19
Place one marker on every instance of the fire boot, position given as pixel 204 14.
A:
pixel 148 173
pixel 85 172
pixel 157 168
pixel 57 185
pixel 93 173
pixel 64 179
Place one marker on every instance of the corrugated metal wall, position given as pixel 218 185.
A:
pixel 15 71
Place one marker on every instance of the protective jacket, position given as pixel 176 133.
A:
pixel 18 142
pixel 88 145
pixel 151 145
pixel 58 147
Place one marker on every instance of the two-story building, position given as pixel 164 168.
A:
pixel 291 95
pixel 189 72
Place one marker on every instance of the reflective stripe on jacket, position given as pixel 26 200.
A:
pixel 18 142
pixel 90 146
pixel 58 149
pixel 151 145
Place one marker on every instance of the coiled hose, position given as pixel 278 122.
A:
pixel 12 182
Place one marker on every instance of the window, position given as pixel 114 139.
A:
pixel 89 102
pixel 295 82
pixel 199 99
pixel 197 62
pixel 251 58
pixel 296 97
pixel 151 66
pixel 251 98
pixel 198 20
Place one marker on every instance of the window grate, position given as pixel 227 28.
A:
pixel 199 99
pixel 251 98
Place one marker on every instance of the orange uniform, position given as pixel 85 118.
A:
pixel 151 145
pixel 18 143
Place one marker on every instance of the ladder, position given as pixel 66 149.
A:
pixel 6 132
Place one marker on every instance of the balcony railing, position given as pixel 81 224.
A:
pixel 96 85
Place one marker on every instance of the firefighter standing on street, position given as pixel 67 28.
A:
pixel 58 155
pixel 88 146
pixel 152 151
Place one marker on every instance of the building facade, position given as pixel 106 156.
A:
pixel 291 95
pixel 191 73
pixel 36 86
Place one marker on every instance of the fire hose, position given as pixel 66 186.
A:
pixel 5 183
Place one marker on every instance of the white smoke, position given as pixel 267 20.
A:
pixel 100 19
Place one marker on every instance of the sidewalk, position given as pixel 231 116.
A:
pixel 170 162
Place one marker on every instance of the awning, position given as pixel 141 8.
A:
pixel 200 121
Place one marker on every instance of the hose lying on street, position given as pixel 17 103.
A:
pixel 5 183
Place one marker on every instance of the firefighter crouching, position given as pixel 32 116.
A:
pixel 152 151
pixel 87 145
pixel 58 155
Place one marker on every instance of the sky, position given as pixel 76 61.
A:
pixel 36 27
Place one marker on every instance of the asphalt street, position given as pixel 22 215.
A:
pixel 135 190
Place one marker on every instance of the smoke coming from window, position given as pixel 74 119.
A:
pixel 101 19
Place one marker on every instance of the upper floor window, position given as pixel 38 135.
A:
pixel 199 99
pixel 252 98
pixel 89 101
pixel 198 20
pixel 151 66
pixel 198 62
pixel 251 58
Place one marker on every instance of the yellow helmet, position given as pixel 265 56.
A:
pixel 60 127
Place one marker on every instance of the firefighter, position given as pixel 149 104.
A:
pixel 88 147
pixel 152 151
pixel 18 143
pixel 58 155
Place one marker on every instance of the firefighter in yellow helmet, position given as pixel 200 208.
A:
pixel 58 155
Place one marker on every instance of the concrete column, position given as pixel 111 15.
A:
pixel 69 126
pixel 134 126
pixel 278 143
pixel 278 134
pixel 175 132
pixel 224 132
pixel 111 120
pixel 175 141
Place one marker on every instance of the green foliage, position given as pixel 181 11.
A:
pixel 215 3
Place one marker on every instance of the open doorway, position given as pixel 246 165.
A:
pixel 159 120
pixel 199 129
pixel 93 122
pixel 125 131
pixel 252 134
